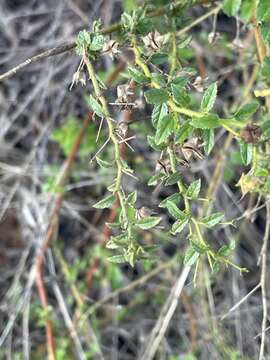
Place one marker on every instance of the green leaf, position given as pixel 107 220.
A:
pixel 97 42
pixel 129 5
pixel 245 112
pixel 105 203
pixel 265 31
pixel 180 81
pixel 209 121
pixel 159 58
pixel 266 128
pixel 158 113
pixel 118 259
pixel 155 179
pixel 137 76
pixel 231 7
pixel 175 198
pixel 180 94
pixel 261 171
pixel 82 41
pixel 208 140
pixel 225 250
pixel 199 247
pixel 209 98
pixel 114 225
pixel 265 69
pixel 185 42
pixel 95 106
pixel 179 225
pixel 191 256
pixel 174 211
pixel 154 145
pixel 112 245
pixel 183 133
pixel 247 9
pixel 263 10
pixel 156 96
pixel 216 267
pixel 173 178
pixel 148 222
pixel 131 198
pixel 194 189
pixel 160 79
pixel 212 219
pixel 246 151
pixel 164 128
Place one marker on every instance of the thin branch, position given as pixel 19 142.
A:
pixel 240 302
pixel 165 317
pixel 44 302
pixel 53 222
pixel 65 313
pixel 263 280
pixel 70 46
pixel 136 283
pixel 43 55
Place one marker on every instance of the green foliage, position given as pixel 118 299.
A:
pixel 231 7
pixel 95 106
pixel 156 96
pixel 212 219
pixel 209 121
pixel 246 152
pixel 90 42
pixel 246 111
pixel 165 127
pixel 69 131
pixel 105 203
pixel 182 130
pixel 209 98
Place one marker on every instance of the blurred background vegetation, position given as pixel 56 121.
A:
pixel 99 309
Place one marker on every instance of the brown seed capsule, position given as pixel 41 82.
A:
pixel 78 77
pixel 122 128
pixel 143 212
pixel 190 149
pixel 163 165
pixel 199 84
pixel 213 37
pixel 111 48
pixel 251 133
pixel 124 93
pixel 154 40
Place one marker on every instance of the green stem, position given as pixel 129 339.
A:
pixel 117 154
pixel 174 55
pixel 174 107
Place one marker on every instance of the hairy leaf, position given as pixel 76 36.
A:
pixel 105 203
pixel 156 96
pixel 209 98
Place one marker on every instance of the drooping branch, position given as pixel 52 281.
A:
pixel 70 46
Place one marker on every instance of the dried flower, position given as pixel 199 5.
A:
pixel 122 129
pixel 251 133
pixel 125 96
pixel 190 149
pixel 154 40
pixel 143 212
pixel 111 48
pixel 248 183
pixel 237 44
pixel 78 77
pixel 163 165
pixel 200 83
pixel 213 36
